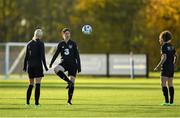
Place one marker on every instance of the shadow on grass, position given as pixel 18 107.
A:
pixel 25 99
pixel 122 108
pixel 126 105
pixel 10 108
pixel 89 87
pixel 98 108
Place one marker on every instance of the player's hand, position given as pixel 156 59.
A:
pixel 79 70
pixel 24 69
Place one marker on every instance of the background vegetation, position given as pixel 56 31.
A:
pixel 119 26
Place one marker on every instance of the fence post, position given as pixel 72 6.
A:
pixel 107 65
pixel 7 49
pixel 147 66
pixel 131 65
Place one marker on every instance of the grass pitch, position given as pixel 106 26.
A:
pixel 93 97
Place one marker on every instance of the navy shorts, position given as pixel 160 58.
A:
pixel 35 72
pixel 167 71
pixel 71 68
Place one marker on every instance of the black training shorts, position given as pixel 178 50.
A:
pixel 167 71
pixel 70 67
pixel 35 72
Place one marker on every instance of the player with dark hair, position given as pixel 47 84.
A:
pixel 70 61
pixel 167 62
pixel 35 56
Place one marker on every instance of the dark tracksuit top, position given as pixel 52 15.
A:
pixel 69 53
pixel 35 55
pixel 168 66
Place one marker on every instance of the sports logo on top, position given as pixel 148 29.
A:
pixel 87 29
pixel 70 46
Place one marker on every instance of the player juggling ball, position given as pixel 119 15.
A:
pixel 70 61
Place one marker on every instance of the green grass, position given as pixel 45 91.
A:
pixel 93 97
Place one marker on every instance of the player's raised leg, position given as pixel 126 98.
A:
pixel 59 70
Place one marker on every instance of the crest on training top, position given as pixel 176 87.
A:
pixel 70 46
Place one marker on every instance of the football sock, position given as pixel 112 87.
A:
pixel 70 92
pixel 28 94
pixel 171 92
pixel 37 94
pixel 165 93
pixel 63 76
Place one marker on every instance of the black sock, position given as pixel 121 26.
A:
pixel 165 93
pixel 63 76
pixel 171 92
pixel 37 94
pixel 28 94
pixel 70 92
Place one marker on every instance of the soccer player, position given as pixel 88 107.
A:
pixel 35 56
pixel 167 62
pixel 70 61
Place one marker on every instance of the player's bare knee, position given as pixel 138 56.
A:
pixel 72 78
pixel 58 68
pixel 163 83
pixel 170 84
pixel 38 80
pixel 31 81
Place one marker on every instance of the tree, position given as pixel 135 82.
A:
pixel 155 17
pixel 112 23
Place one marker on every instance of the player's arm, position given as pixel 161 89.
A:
pixel 175 58
pixel 58 50
pixel 26 59
pixel 77 58
pixel 43 56
pixel 163 59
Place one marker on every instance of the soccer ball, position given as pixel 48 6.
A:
pixel 87 29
